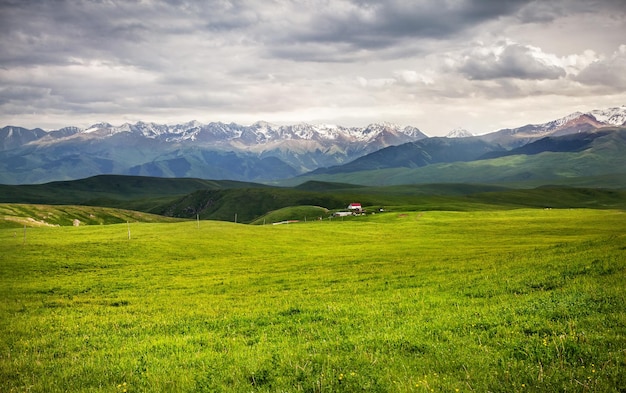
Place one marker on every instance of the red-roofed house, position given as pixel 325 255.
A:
pixel 355 207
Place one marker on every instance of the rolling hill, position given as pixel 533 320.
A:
pixel 15 215
pixel 250 203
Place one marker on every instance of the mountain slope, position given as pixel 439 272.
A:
pixel 563 144
pixel 599 156
pixel 571 124
pixel 418 154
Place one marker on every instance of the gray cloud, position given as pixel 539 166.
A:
pixel 609 72
pixel 374 26
pixel 299 59
pixel 513 61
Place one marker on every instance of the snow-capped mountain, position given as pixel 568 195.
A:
pixel 257 134
pixel 184 149
pixel 459 132
pixel 570 124
pixel 612 116
pixel 257 152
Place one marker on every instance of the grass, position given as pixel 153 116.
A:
pixel 502 301
pixel 14 215
pixel 293 213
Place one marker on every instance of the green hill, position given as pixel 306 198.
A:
pixel 111 190
pixel 13 215
pixel 249 202
pixel 292 213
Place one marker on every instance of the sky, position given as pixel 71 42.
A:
pixel 481 65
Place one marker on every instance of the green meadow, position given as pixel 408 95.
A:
pixel 524 300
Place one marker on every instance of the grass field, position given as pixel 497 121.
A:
pixel 502 301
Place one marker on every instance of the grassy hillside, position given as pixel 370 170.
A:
pixel 252 204
pixel 248 204
pixel 20 215
pixel 500 301
pixel 293 213
pixel 114 189
pixel 222 200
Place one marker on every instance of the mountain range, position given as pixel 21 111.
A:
pixel 265 152
pixel 259 152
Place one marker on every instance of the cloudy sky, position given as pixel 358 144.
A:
pixel 434 64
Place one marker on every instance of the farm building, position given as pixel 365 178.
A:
pixel 355 207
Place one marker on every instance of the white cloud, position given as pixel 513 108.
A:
pixel 509 60
pixel 606 72
pixel 412 77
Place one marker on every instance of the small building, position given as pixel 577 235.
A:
pixel 355 207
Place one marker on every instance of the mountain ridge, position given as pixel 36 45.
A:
pixel 549 160
pixel 258 152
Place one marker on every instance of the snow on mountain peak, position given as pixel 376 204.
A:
pixel 613 116
pixel 459 132
pixel 564 120
pixel 96 127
